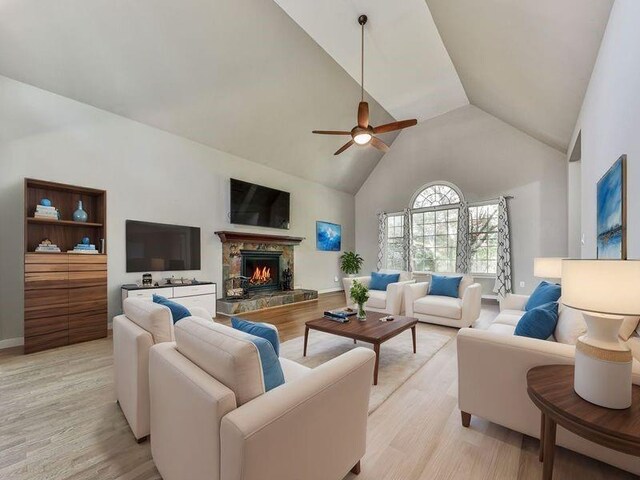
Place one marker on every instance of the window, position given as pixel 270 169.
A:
pixel 436 195
pixel 483 238
pixel 395 238
pixel 434 234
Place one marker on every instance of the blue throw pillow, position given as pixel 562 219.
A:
pixel 445 286
pixel 263 330
pixel 380 281
pixel 544 293
pixel 271 369
pixel 178 312
pixel 539 322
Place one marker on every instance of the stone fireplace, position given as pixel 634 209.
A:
pixel 253 265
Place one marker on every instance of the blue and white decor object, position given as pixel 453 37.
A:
pixel 263 330
pixel 80 215
pixel 612 242
pixel 45 202
pixel 328 236
pixel 178 312
pixel 86 241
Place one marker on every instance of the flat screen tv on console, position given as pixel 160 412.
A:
pixel 253 204
pixel 157 247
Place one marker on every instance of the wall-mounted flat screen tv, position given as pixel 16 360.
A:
pixel 157 247
pixel 253 204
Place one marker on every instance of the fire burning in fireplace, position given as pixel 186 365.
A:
pixel 261 276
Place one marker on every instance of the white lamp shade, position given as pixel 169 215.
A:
pixel 547 267
pixel 602 286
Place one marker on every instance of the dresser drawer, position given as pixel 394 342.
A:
pixel 191 290
pixel 149 292
pixel 87 326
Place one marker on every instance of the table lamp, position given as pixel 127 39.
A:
pixel 604 290
pixel 547 267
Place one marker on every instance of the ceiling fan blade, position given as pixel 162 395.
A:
pixel 379 144
pixel 344 147
pixel 331 132
pixel 390 127
pixel 363 114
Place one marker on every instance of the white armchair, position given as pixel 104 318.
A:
pixel 142 325
pixel 389 301
pixel 451 312
pixel 211 418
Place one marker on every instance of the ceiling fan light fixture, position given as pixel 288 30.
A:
pixel 362 138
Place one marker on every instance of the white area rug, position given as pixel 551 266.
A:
pixel 397 360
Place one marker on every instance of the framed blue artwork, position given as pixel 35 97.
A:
pixel 328 236
pixel 612 212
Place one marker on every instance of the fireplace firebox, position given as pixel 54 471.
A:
pixel 261 270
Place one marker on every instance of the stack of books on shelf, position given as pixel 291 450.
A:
pixel 46 212
pixel 84 248
pixel 47 246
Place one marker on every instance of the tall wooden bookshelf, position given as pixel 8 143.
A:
pixel 65 294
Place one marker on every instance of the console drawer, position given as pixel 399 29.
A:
pixel 149 292
pixel 191 290
pixel 208 302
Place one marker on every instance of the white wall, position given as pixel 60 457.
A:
pixel 149 175
pixel 486 158
pixel 610 123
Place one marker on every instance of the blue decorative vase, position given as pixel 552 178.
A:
pixel 45 202
pixel 86 241
pixel 80 215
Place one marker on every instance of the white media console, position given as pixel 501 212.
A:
pixel 201 294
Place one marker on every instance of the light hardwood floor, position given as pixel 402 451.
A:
pixel 59 420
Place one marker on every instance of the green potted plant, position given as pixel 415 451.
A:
pixel 360 294
pixel 351 263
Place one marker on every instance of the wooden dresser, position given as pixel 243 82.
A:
pixel 65 294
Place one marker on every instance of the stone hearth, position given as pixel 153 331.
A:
pixel 234 244
pixel 258 301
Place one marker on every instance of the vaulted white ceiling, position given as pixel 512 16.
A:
pixel 527 62
pixel 407 68
pixel 254 77
pixel 238 75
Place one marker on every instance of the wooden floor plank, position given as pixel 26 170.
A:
pixel 59 420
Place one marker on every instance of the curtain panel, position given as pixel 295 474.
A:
pixel 503 277
pixel 463 250
pixel 382 239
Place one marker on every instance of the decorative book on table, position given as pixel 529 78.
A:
pixel 342 313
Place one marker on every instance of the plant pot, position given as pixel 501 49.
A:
pixel 361 315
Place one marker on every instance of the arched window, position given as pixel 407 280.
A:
pixel 436 195
pixel 434 232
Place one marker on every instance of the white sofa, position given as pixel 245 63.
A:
pixel 210 417
pixel 389 301
pixel 451 312
pixel 142 325
pixel 492 370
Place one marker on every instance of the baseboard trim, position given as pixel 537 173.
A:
pixel 11 342
pixel 330 290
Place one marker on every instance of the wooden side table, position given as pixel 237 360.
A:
pixel 550 388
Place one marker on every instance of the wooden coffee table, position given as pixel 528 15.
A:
pixel 371 330
pixel 550 388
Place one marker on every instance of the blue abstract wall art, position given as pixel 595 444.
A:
pixel 328 236
pixel 612 212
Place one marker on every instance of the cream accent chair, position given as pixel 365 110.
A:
pixel 451 312
pixel 142 325
pixel 492 375
pixel 211 420
pixel 389 301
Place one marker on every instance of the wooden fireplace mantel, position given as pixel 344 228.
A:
pixel 226 236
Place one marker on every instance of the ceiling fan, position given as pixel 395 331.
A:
pixel 363 133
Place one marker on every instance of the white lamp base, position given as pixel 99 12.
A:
pixel 603 363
